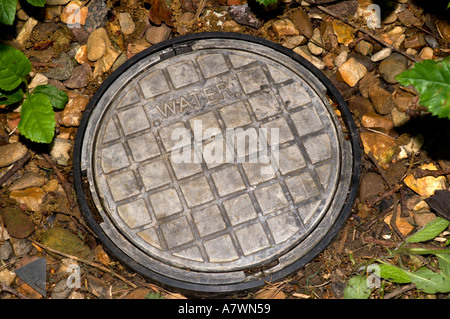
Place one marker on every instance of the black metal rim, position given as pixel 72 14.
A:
pixel 228 288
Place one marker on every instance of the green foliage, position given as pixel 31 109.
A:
pixel 264 2
pixel 431 230
pixel 357 288
pixel 37 118
pixel 425 279
pixel 153 295
pixel 8 9
pixel 432 81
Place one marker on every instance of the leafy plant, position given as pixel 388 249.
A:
pixel 37 117
pixel 425 279
pixel 432 81
pixel 266 2
pixel 8 9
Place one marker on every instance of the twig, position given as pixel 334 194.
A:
pixel 17 165
pixel 372 202
pixel 92 264
pixel 4 287
pixel 393 222
pixel 69 193
pixel 200 8
pixel 399 291
pixel 377 38
pixel 428 172
pixel 381 215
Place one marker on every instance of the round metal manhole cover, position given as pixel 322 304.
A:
pixel 216 162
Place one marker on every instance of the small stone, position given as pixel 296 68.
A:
pixel 381 100
pixel 341 58
pixel 328 37
pixel 29 179
pixel 63 69
pixel 294 41
pixel 81 54
pixel 304 52
pixel 407 18
pixel 157 34
pixel 60 290
pixel 364 47
pixel 381 146
pixel 98 12
pixel 415 41
pixel 6 250
pixel 126 23
pixel 32 197
pixel 302 22
pixel 135 48
pixel 185 20
pixel 364 60
pixel 105 63
pixel 7 277
pixel 60 151
pixel 432 42
pixel 74 14
pixel 391 18
pixel 377 122
pixel 346 90
pixel 392 66
pixel 423 218
pixel 17 222
pixel 444 29
pixel 75 295
pixel 315 44
pixel 73 111
pixel 26 30
pixel 284 27
pixel 403 223
pixel 392 35
pixel 119 61
pixel 11 153
pixel 403 100
pixel 426 186
pixel 97 287
pixel 381 55
pixel 80 77
pixel 426 53
pixel 242 14
pixel 343 31
pixel 63 240
pixel 360 106
pixel 371 185
pixel 21 247
pixel 38 79
pixel 351 72
pixel 96 44
pixel 399 118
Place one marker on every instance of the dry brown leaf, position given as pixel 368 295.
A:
pixel 102 256
pixel 270 292
pixel 159 12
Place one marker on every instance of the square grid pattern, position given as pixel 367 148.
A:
pixel 228 210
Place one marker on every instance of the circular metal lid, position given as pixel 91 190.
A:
pixel 214 162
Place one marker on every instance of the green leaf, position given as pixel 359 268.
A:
pixel 444 263
pixel 153 295
pixel 57 98
pixel 11 97
pixel 266 2
pixel 394 274
pixel 37 119
pixel 7 11
pixel 429 231
pixel 429 281
pixel 432 81
pixel 14 66
pixel 37 3
pixel 357 288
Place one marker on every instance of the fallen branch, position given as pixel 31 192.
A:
pixel 372 202
pixel 87 262
pixel 399 291
pixel 4 287
pixel 428 172
pixel 353 25
pixel 17 165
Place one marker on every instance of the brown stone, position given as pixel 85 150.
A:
pixel 381 146
pixel 360 105
pixel 351 72
pixel 377 122
pixel 284 27
pixel 302 22
pixel 32 197
pixel 381 100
